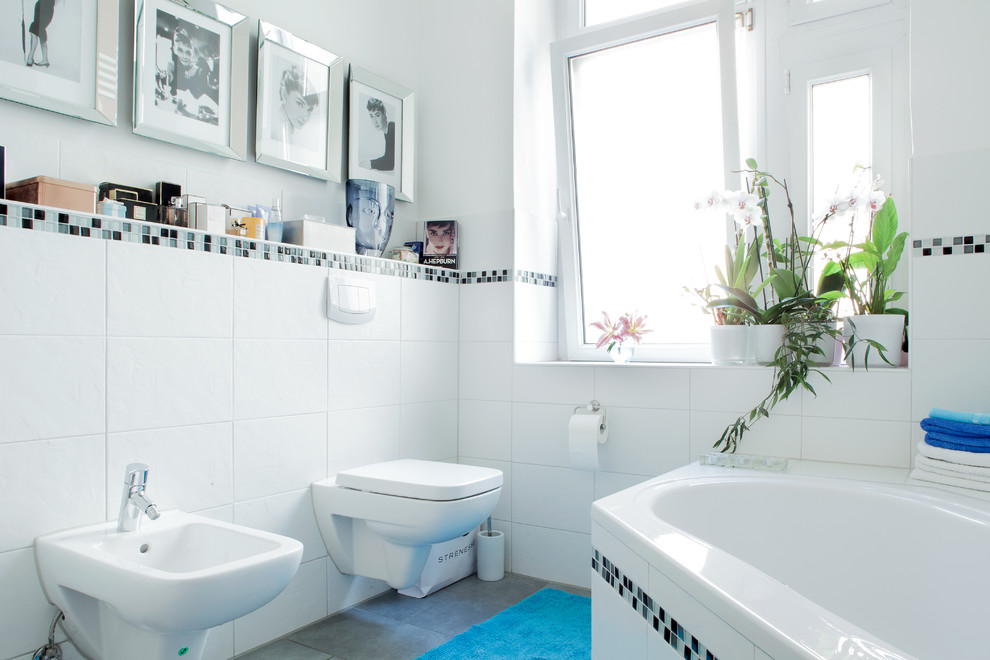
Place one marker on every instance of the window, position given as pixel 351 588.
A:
pixel 648 121
pixel 604 11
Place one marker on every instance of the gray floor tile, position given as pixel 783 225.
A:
pixel 284 649
pixel 569 588
pixel 396 606
pixel 355 634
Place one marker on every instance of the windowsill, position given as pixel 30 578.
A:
pixel 699 365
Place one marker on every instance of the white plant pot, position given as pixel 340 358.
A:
pixel 766 340
pixel 730 345
pixel 827 344
pixel 885 329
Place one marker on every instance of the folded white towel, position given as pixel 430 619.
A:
pixel 953 455
pixel 952 469
pixel 921 474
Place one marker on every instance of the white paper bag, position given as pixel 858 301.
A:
pixel 448 562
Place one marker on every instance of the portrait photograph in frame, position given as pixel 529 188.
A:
pixel 190 75
pixel 61 55
pixel 300 105
pixel 380 132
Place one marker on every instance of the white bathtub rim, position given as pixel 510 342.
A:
pixel 799 623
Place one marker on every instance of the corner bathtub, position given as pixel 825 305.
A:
pixel 709 562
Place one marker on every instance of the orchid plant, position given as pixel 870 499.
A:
pixel 626 327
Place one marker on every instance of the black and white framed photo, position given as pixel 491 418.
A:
pixel 300 105
pixel 61 55
pixel 380 135
pixel 191 74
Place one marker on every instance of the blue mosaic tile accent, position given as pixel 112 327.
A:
pixel 107 228
pixel 950 246
pixel 680 640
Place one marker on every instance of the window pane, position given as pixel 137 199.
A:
pixel 647 133
pixel 602 11
pixel 840 140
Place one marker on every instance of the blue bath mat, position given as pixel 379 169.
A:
pixel 549 625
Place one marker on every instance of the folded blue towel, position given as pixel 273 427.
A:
pixel 958 416
pixel 946 441
pixel 961 429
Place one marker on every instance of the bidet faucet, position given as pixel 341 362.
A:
pixel 134 501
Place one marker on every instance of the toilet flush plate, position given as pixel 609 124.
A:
pixel 350 300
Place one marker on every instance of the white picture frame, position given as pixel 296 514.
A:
pixel 381 149
pixel 300 124
pixel 75 71
pixel 191 75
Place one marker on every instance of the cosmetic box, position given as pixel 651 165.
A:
pixel 319 235
pixel 47 191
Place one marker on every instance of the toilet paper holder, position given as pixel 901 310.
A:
pixel 594 408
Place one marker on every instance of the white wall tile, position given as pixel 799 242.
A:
pixel 943 289
pixel 952 374
pixel 552 554
pixel 429 311
pixel 552 497
pixel 539 433
pixel 875 394
pixel 737 389
pixel 631 564
pixel 78 161
pixel 558 384
pixel 779 435
pixel 484 429
pixel 364 374
pixel 536 308
pixel 51 387
pixel 163 292
pixel 485 370
pixel 386 324
pixel 159 382
pixel 535 352
pixel 618 632
pixel 535 242
pixel 940 204
pixel 862 441
pixel 429 371
pixel 278 455
pixel 429 430
pixel 51 284
pixel 72 494
pixel 29 153
pixel 24 611
pixel 609 483
pixel 288 514
pixel 503 510
pixel 486 312
pixel 302 602
pixel 364 436
pixel 218 181
pixel 279 300
pixel 279 377
pixel 191 467
pixel 644 441
pixel 647 387
pixel 484 241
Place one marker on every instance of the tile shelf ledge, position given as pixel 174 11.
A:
pixel 696 365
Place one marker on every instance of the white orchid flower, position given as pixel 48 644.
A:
pixel 710 202
pixel 747 216
pixel 876 200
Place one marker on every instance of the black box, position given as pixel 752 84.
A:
pixel 165 191
pixel 143 211
pixel 143 194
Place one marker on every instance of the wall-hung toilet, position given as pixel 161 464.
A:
pixel 380 520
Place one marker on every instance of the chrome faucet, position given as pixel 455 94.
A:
pixel 134 501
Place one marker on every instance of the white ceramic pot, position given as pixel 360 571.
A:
pixel 766 340
pixel 885 329
pixel 827 344
pixel 730 345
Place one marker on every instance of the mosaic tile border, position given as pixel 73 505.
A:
pixel 679 639
pixel 951 245
pixel 74 223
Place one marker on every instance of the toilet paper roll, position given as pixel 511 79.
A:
pixel 585 433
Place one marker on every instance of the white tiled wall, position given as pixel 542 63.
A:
pixel 226 377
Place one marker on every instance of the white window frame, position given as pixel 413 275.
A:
pixel 806 11
pixel 571 341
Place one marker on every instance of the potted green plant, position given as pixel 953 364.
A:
pixel 865 269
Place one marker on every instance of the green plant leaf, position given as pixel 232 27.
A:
pixel 884 226
pixel 751 163
pixel 896 248
pixel 784 283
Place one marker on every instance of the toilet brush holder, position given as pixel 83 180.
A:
pixel 491 555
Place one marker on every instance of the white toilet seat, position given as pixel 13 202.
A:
pixel 421 480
